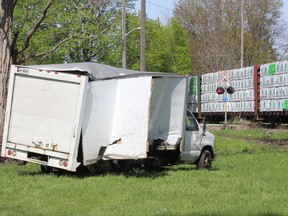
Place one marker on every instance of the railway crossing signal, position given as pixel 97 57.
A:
pixel 221 90
pixel 225 76
pixel 227 90
pixel 230 90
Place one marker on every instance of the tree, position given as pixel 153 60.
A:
pixel 214 28
pixel 6 17
pixel 178 42
pixel 167 47
pixel 262 30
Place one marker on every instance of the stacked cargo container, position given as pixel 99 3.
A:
pixel 261 92
pixel 242 80
pixel 210 100
pixel 242 100
pixel 274 86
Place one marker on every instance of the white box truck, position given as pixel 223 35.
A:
pixel 64 115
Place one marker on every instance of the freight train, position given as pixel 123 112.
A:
pixel 261 94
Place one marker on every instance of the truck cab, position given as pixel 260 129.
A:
pixel 199 144
pixel 197 147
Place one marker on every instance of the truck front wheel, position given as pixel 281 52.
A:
pixel 205 160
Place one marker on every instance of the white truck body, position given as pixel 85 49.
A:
pixel 114 114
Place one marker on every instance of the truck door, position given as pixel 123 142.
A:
pixel 193 138
pixel 42 119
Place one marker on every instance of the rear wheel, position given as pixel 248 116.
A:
pixel 46 169
pixel 99 168
pixel 205 160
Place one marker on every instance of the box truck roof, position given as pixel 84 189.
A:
pixel 98 71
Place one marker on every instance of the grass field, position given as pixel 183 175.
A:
pixel 249 177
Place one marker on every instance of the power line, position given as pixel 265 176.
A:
pixel 159 6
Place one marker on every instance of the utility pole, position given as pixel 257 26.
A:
pixel 242 33
pixel 124 46
pixel 143 36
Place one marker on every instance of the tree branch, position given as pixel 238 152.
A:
pixel 34 29
pixel 44 54
pixel 93 36
pixel 55 47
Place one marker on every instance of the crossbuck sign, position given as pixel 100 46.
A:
pixel 224 77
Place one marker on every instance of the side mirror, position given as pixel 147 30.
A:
pixel 204 127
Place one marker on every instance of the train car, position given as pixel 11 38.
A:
pixel 261 94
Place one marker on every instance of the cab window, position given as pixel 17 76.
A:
pixel 191 124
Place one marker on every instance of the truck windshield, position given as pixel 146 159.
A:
pixel 191 123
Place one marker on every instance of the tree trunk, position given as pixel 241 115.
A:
pixel 6 12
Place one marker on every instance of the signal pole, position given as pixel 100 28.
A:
pixel 225 108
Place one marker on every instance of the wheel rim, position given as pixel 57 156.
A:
pixel 207 161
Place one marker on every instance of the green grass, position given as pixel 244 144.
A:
pixel 254 133
pixel 247 179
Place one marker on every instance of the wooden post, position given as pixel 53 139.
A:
pixel 143 36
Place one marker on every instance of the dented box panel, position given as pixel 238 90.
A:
pixel 130 119
pixel 167 107
pixel 116 119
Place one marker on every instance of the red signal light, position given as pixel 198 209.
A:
pixel 230 90
pixel 220 90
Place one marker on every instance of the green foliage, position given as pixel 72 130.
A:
pixel 157 56
pixel 180 48
pixel 242 182
pixel 85 31
pixel 168 49
pixel 73 31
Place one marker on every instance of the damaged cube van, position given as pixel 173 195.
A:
pixel 62 116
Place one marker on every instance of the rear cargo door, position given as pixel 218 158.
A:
pixel 45 110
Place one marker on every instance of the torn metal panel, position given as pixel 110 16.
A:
pixel 116 117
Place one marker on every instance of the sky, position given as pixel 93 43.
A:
pixel 163 9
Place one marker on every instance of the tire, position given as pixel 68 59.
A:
pixel 99 168
pixel 205 160
pixel 46 169
pixel 120 165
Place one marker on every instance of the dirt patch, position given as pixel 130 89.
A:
pixel 283 143
pixel 273 142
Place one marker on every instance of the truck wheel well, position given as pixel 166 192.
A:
pixel 209 148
